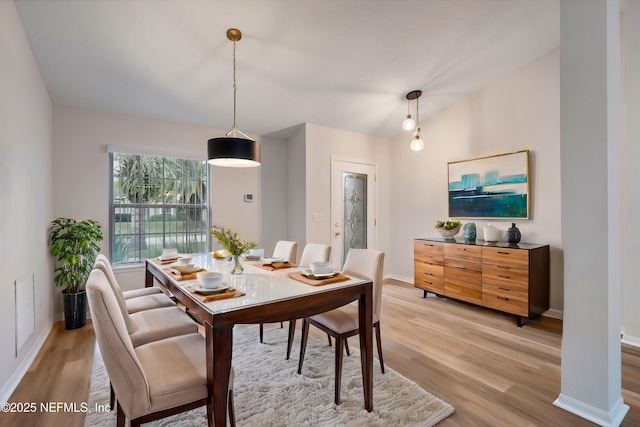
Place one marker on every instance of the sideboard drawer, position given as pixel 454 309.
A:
pixel 464 252
pixel 505 277
pixel 505 300
pixel 432 249
pixel 429 282
pixel 509 257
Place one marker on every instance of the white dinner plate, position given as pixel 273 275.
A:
pixel 205 291
pixel 310 275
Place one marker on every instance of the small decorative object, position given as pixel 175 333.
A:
pixel 469 231
pixel 513 234
pixel 491 233
pixel 234 245
pixel 448 228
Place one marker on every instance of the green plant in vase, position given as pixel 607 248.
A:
pixel 448 228
pixel 234 245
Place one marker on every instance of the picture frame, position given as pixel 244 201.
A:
pixel 492 187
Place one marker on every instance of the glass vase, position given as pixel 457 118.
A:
pixel 235 266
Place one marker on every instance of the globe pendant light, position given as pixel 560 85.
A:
pixel 232 150
pixel 416 143
pixel 408 123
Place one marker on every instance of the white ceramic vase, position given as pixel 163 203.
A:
pixel 491 233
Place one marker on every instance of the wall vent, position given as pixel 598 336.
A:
pixel 25 309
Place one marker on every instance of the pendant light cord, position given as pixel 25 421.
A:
pixel 235 89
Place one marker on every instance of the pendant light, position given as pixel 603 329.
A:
pixel 416 143
pixel 232 150
pixel 408 123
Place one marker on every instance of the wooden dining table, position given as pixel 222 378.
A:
pixel 269 296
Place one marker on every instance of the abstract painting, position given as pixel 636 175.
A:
pixel 490 187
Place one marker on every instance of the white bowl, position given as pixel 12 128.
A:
pixel 321 267
pixel 210 279
pixel 185 259
pixel 256 252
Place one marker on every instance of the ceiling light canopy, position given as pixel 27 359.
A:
pixel 409 124
pixel 232 150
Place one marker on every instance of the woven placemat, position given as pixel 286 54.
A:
pixel 297 275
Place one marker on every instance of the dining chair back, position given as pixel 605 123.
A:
pixel 286 250
pixel 149 325
pixel 137 300
pixel 314 252
pixel 152 381
pixel 342 323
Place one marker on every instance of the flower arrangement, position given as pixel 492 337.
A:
pixel 230 241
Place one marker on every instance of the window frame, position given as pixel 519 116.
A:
pixel 205 205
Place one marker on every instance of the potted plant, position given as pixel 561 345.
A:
pixel 74 244
pixel 448 228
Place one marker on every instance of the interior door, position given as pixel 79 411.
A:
pixel 353 212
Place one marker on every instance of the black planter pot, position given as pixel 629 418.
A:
pixel 75 309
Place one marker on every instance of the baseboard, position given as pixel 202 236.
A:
pixel 628 339
pixel 598 416
pixel 13 381
pixel 554 313
pixel 400 278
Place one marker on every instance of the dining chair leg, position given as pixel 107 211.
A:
pixel 346 347
pixel 379 341
pixel 261 332
pixel 338 367
pixel 231 409
pixel 112 397
pixel 120 417
pixel 303 343
pixel 292 332
pixel 329 338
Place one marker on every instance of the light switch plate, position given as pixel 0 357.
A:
pixel 317 217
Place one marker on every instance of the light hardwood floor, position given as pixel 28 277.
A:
pixel 478 360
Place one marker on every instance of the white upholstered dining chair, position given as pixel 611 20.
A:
pixel 137 299
pixel 152 324
pixel 342 323
pixel 153 380
pixel 312 252
pixel 288 251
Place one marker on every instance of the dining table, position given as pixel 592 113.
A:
pixel 263 297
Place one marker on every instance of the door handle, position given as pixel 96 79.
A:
pixel 337 233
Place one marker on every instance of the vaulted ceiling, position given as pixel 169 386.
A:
pixel 345 64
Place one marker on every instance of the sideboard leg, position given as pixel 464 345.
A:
pixel 424 294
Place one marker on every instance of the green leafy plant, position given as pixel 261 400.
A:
pixel 74 244
pixel 448 224
pixel 230 241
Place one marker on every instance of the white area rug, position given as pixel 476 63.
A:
pixel 269 392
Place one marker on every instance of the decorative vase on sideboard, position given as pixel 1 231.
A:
pixel 513 234
pixel 469 231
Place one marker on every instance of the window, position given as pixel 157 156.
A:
pixel 156 202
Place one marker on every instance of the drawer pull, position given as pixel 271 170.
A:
pixel 503 298
pixel 428 274
pixel 428 256
pixel 431 283
pixel 461 249
pixel 504 289
pixel 504 276
pixel 503 253
pixel 503 266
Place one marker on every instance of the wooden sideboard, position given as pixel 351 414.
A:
pixel 513 278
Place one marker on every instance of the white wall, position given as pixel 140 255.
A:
pixel 519 111
pixel 81 172
pixel 273 192
pixel 26 207
pixel 297 176
pixel 321 144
